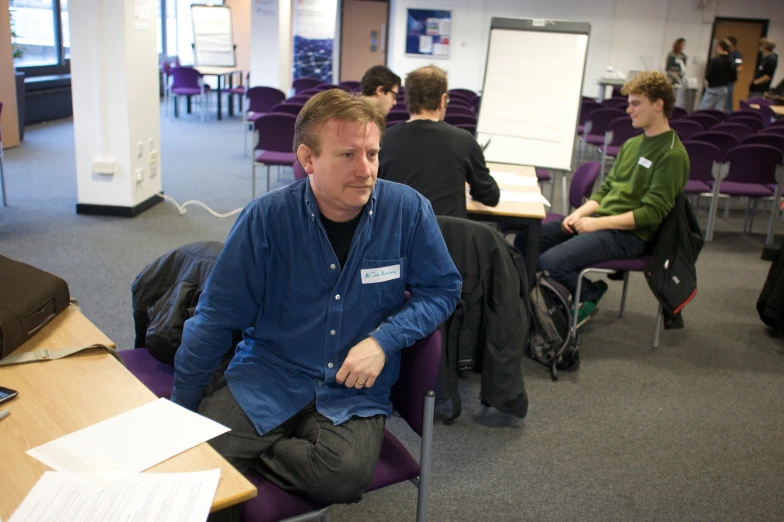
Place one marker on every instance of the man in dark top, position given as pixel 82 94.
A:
pixel 719 73
pixel 380 85
pixel 737 60
pixel 433 157
pixel 766 68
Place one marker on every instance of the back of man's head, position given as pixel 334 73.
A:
pixel 333 104
pixel 424 88
pixel 725 45
pixel 767 44
pixel 733 41
pixel 378 76
pixel 654 86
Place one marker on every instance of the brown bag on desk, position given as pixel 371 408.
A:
pixel 29 299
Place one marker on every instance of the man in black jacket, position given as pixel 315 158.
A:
pixel 763 76
pixel 431 156
pixel 720 72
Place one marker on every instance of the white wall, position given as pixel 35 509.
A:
pixel 621 31
pixel 271 44
pixel 114 70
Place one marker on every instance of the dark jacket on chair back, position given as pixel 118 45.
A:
pixel 165 294
pixel 672 272
pixel 488 333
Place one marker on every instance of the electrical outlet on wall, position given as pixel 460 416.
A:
pixel 139 149
pixel 153 170
pixel 139 175
pixel 153 157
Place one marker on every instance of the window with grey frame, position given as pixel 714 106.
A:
pixel 40 36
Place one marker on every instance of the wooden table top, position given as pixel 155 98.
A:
pixel 778 109
pixel 59 397
pixel 511 208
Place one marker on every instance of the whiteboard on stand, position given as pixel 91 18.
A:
pixel 532 91
pixel 213 39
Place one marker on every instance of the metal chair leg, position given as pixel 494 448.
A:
pixel 268 179
pixel 727 208
pixel 425 456
pixel 623 294
pixel 564 193
pixel 554 176
pixel 657 330
pixel 2 176
pixel 253 177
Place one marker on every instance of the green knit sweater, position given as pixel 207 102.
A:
pixel 647 176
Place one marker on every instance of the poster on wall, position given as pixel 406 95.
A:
pixel 314 37
pixel 428 32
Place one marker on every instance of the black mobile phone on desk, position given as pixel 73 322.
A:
pixel 6 394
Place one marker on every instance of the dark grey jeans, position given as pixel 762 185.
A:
pixel 564 255
pixel 307 454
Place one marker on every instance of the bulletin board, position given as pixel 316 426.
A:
pixel 428 33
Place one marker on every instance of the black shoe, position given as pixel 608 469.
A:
pixel 617 276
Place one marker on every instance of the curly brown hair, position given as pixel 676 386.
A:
pixel 424 88
pixel 333 104
pixel 655 86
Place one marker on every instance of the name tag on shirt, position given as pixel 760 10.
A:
pixel 645 162
pixel 379 275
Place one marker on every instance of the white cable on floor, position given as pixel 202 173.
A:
pixel 181 208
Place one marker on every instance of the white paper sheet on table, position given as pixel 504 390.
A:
pixel 143 497
pixel 510 178
pixel 130 442
pixel 523 197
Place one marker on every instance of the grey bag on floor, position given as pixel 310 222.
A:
pixel 552 341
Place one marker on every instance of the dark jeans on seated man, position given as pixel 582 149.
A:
pixel 564 255
pixel 307 454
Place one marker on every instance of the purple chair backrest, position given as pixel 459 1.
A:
pixel 759 101
pixel 351 85
pixel 774 140
pixel 706 120
pixel 586 108
pixel 739 130
pixel 719 115
pixel 301 84
pixel 678 113
pixel 261 99
pixel 308 92
pixel 767 114
pixel 397 116
pixel 753 163
pixel 723 140
pixel 600 119
pixel 418 372
pixel 773 129
pixel 326 86
pixel 466 94
pixel 460 109
pixel 476 102
pixel 393 123
pixel 582 182
pixel 702 156
pixel 399 107
pixel 185 77
pixel 276 131
pixel 288 108
pixel 300 99
pixel 455 119
pixel 744 106
pixel 166 68
pixel 622 129
pixel 470 127
pixel 299 172
pixel 617 103
pixel 750 120
pixel 686 128
pixel 459 102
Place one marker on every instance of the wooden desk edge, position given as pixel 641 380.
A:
pixel 233 500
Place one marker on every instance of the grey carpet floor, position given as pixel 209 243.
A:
pixel 690 431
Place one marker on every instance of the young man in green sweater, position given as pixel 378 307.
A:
pixel 621 218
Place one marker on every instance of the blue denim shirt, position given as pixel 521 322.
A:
pixel 279 281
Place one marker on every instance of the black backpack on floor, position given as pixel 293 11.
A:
pixel 552 341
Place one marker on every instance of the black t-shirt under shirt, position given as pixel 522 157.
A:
pixel 340 235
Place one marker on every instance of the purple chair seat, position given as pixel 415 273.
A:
pixel 580 129
pixel 695 186
pixel 187 90
pixel 157 376
pixel 612 150
pixel 752 190
pixel 253 116
pixel 626 265
pixel 543 174
pixel 595 139
pixel 271 157
pixel 240 89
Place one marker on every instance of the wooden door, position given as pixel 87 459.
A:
pixel 748 33
pixel 363 37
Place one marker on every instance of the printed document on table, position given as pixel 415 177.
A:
pixel 523 197
pixel 130 442
pixel 144 497
pixel 510 178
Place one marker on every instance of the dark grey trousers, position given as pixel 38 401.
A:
pixel 307 454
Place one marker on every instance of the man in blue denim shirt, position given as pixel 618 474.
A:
pixel 315 275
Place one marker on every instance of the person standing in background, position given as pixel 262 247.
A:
pixel 676 62
pixel 766 68
pixel 380 86
pixel 737 60
pixel 718 74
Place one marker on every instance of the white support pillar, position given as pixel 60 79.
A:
pixel 116 105
pixel 271 44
